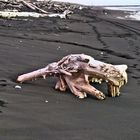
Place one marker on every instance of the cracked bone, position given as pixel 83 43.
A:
pixel 122 69
pixel 75 72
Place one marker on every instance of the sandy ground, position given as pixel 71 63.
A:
pixel 25 113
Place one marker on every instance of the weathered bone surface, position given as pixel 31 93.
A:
pixel 76 71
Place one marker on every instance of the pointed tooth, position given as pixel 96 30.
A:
pixel 96 80
pixel 123 82
pixel 126 80
pixel 92 79
pixel 118 92
pixel 44 76
pixel 100 81
pixel 114 91
pixel 119 85
pixel 106 81
pixel 85 94
pixel 111 90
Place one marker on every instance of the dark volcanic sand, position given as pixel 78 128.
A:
pixel 32 44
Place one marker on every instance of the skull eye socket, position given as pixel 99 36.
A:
pixel 86 60
pixel 83 60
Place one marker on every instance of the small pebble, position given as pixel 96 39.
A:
pixel 18 87
pixel 58 48
pixel 46 101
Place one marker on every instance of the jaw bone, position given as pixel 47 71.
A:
pixel 116 75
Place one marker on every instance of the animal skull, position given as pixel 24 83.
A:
pixel 76 71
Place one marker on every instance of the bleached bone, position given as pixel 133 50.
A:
pixel 77 70
pixel 122 69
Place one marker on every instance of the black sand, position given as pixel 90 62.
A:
pixel 29 45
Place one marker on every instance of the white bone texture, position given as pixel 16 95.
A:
pixel 76 71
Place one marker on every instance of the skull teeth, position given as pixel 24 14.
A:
pixel 44 76
pixel 117 91
pixel 85 94
pixel 114 90
pixel 121 83
pixel 97 80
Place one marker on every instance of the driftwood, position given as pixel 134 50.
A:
pixel 16 7
pixel 14 14
pixel 76 71
pixel 33 7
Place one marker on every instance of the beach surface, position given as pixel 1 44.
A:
pixel 35 110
